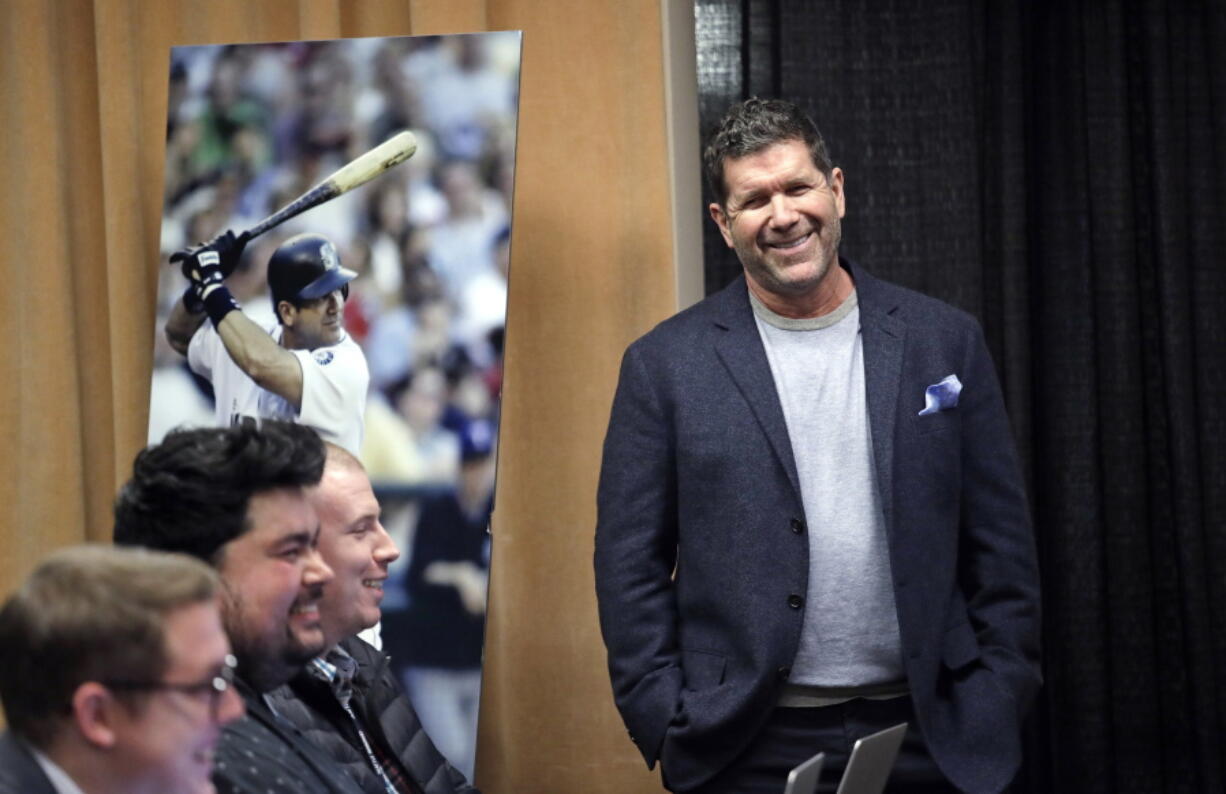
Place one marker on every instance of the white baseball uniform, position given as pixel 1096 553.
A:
pixel 334 384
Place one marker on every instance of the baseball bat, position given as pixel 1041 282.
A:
pixel 392 152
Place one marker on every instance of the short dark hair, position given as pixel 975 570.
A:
pixel 190 493
pixel 749 127
pixel 89 613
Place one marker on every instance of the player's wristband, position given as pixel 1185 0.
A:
pixel 191 301
pixel 218 303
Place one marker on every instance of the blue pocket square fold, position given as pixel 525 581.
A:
pixel 942 396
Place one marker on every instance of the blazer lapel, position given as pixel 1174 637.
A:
pixel 739 347
pixel 883 336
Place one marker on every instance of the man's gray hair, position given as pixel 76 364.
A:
pixel 751 126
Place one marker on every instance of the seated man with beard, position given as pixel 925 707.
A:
pixel 236 498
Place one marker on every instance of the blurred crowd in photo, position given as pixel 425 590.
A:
pixel 250 128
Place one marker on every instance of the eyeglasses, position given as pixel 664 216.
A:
pixel 213 688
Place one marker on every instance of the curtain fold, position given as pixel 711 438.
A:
pixel 47 155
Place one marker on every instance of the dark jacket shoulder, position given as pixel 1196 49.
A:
pixel 387 717
pixel 19 772
pixel 909 305
pixel 262 753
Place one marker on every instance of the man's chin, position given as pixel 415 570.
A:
pixel 799 278
pixel 790 282
pixel 306 646
pixel 364 622
pixel 335 632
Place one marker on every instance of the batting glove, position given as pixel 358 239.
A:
pixel 227 245
pixel 206 268
pixel 207 292
pixel 203 270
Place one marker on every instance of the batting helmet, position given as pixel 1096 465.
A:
pixel 306 267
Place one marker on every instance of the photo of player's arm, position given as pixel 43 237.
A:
pixel 305 368
pixel 279 373
pixel 250 129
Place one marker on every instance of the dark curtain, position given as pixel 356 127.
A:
pixel 1058 169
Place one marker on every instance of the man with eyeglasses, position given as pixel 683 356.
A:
pixel 236 498
pixel 114 675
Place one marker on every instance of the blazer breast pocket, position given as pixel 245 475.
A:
pixel 941 422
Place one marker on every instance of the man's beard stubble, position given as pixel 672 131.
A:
pixel 769 278
pixel 264 665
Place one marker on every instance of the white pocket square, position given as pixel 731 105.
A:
pixel 942 396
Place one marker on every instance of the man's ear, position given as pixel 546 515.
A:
pixel 93 708
pixel 721 220
pixel 286 313
pixel 836 188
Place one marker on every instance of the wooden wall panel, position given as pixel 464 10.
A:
pixel 42 472
pixel 590 270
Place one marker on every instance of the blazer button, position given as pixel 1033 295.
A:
pixel 783 673
pixel 795 601
pixel 798 526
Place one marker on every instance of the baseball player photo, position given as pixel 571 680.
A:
pixel 334 252
pixel 304 368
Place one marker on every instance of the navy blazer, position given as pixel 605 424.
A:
pixel 697 549
pixel 19 772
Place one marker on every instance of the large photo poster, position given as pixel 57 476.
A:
pixel 392 295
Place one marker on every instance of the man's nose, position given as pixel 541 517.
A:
pixel 783 211
pixel 386 552
pixel 316 571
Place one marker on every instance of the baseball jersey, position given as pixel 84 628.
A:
pixel 334 384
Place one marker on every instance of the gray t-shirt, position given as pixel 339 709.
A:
pixel 849 644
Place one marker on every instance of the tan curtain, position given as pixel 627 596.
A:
pixel 84 102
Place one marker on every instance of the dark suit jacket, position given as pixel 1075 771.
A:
pixel 698 477
pixel 388 718
pixel 263 753
pixel 19 772
pixel 258 754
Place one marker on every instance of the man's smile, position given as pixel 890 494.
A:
pixel 791 243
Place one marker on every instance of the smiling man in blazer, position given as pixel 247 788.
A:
pixel 811 519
